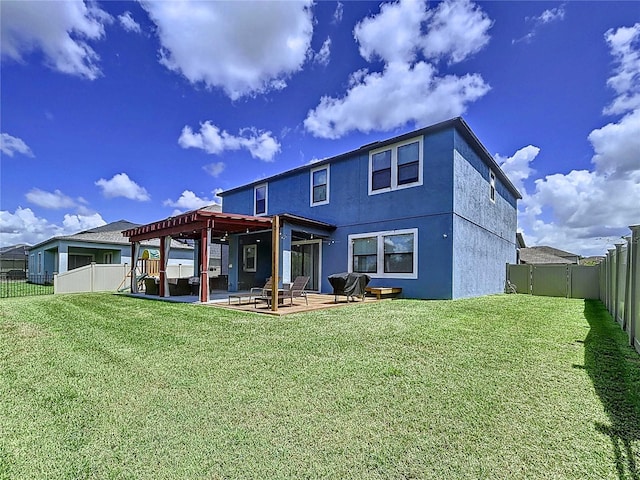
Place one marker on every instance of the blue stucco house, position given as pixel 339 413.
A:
pixel 429 211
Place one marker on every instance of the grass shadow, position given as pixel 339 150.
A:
pixel 614 368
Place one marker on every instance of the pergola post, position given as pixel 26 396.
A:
pixel 135 251
pixel 275 267
pixel 163 267
pixel 205 240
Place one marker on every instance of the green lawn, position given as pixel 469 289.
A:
pixel 22 288
pixel 509 386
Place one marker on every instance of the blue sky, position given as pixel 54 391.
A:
pixel 138 110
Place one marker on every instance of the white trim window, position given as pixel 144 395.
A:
pixel 249 257
pixel 389 254
pixel 396 166
pixel 319 185
pixel 492 186
pixel 260 199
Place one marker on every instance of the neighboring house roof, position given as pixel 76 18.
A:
pixel 458 123
pixel 557 252
pixel 109 233
pixel 14 252
pixel 539 255
pixel 520 240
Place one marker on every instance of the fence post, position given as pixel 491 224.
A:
pixel 92 272
pixel 628 281
pixel 612 283
pixel 617 274
pixel 634 287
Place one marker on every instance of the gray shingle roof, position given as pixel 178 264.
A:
pixel 111 233
pixel 537 255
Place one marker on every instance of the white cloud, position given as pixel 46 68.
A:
pixel 394 33
pixel 337 14
pixel 617 146
pixel 23 226
pixel 77 223
pixel 214 169
pixel 587 211
pixel 60 30
pixel 517 167
pixel 128 23
pixel 242 47
pixel 120 185
pixel 53 200
pixel 456 29
pixel 625 48
pixel 189 201
pixel 211 139
pixel 408 89
pixel 400 94
pixel 324 54
pixel 10 145
pixel 548 16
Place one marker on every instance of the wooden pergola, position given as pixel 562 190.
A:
pixel 202 225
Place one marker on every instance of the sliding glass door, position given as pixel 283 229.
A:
pixel 305 260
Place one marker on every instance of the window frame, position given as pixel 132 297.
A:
pixel 492 186
pixel 394 166
pixel 255 199
pixel 245 250
pixel 312 186
pixel 380 260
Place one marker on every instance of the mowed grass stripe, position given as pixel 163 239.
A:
pixel 106 386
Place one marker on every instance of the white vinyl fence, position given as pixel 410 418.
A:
pixel 570 281
pixel 620 285
pixel 105 278
pixel 616 281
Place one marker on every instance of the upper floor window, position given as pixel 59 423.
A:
pixel 320 185
pixel 397 166
pixel 391 254
pixel 260 199
pixel 492 186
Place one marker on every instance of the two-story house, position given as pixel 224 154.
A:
pixel 429 211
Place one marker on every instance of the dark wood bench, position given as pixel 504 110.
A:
pixel 380 291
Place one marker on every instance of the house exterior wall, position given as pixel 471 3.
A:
pixel 483 230
pixel 464 240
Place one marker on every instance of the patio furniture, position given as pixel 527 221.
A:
pixel 349 284
pixel 379 292
pixel 151 286
pixel 240 296
pixel 266 296
pixel 179 286
pixel 261 290
pixel 297 289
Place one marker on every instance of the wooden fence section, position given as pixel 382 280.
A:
pixel 620 285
